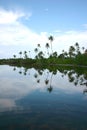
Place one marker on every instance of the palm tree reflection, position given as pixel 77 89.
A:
pixel 76 76
pixel 14 68
pixel 50 89
pixel 46 81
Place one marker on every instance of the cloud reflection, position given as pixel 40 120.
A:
pixel 14 86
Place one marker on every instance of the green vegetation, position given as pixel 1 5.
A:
pixel 74 57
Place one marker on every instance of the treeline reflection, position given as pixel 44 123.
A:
pixel 77 75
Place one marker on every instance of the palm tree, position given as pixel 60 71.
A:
pixel 55 54
pixel 77 48
pixel 38 45
pixel 36 50
pixel 14 56
pixel 40 54
pixel 20 53
pixel 71 51
pixel 51 40
pixel 25 55
pixel 47 46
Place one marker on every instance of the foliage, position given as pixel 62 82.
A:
pixel 73 57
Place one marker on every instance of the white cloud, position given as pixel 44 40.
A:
pixel 17 35
pixel 63 41
pixel 10 17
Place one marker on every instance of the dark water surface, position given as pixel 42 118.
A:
pixel 42 100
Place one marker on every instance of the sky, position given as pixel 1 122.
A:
pixel 26 23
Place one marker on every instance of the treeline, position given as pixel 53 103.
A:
pixel 74 56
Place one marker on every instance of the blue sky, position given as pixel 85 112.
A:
pixel 25 23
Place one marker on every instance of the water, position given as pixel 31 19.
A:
pixel 33 99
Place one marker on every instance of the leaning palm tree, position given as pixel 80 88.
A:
pixel 51 40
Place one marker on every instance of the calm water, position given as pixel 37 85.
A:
pixel 42 100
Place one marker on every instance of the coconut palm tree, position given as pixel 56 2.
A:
pixel 71 51
pixel 36 50
pixel 25 55
pixel 14 56
pixel 55 54
pixel 20 53
pixel 77 48
pixel 40 55
pixel 47 46
pixel 51 40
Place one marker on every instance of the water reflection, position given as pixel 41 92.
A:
pixel 43 98
pixel 77 76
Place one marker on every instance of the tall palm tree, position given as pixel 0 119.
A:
pixel 51 40
pixel 47 46
pixel 25 55
pixel 77 48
